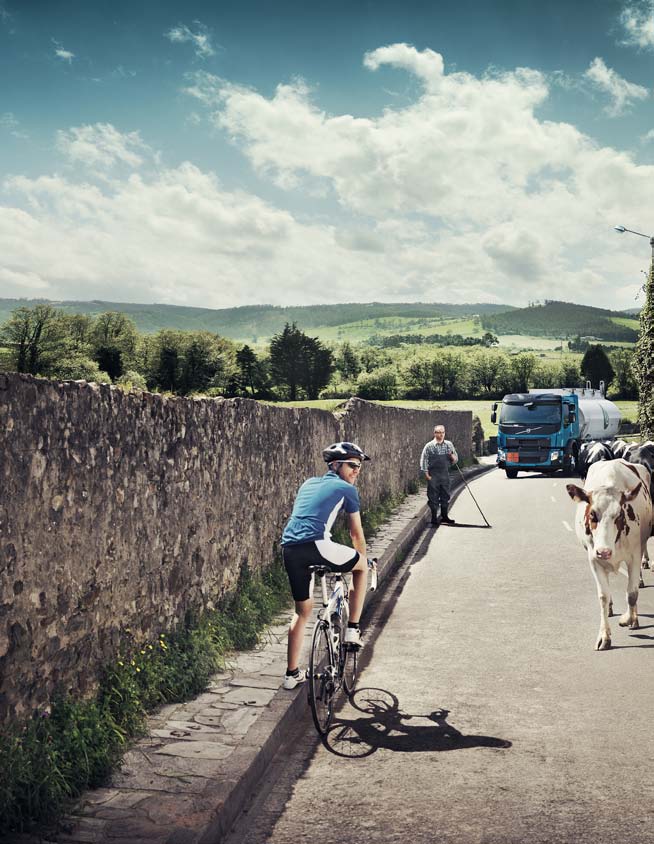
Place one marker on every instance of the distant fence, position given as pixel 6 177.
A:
pixel 126 510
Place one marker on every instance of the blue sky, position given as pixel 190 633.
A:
pixel 221 154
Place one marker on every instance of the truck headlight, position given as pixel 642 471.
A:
pixel 555 456
pixel 501 454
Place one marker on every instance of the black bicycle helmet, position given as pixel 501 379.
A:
pixel 341 451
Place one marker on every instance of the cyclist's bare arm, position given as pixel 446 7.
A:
pixel 357 536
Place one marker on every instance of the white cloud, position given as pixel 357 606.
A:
pixel 501 200
pixel 201 39
pixel 176 237
pixel 426 65
pixel 621 92
pixel 638 21
pixel 63 54
pixel 102 145
pixel 464 194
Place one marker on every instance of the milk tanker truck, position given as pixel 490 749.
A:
pixel 542 430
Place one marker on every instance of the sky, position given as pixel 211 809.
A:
pixel 217 154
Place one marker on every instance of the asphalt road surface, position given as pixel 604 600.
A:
pixel 483 714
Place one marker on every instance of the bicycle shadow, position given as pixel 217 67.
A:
pixel 383 725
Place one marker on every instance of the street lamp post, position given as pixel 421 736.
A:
pixel 622 230
pixel 643 364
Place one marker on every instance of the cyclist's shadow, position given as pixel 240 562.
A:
pixel 383 725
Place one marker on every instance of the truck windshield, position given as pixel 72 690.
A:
pixel 530 415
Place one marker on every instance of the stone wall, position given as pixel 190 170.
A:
pixel 126 510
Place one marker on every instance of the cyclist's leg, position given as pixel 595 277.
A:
pixel 297 558
pixel 296 633
pixel 358 589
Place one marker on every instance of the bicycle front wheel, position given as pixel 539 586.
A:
pixel 322 673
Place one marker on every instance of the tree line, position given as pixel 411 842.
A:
pixel 45 341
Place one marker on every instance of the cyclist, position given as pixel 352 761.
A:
pixel 306 541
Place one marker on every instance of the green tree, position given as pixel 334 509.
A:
pixel 286 353
pixel 201 363
pixel 486 370
pixel 381 384
pixel 36 337
pixel 168 364
pixel 253 373
pixel 318 367
pixel 77 368
pixel 643 365
pixel 521 370
pixel 595 366
pixel 79 329
pixel 622 362
pixel 569 375
pixel 489 339
pixel 347 362
pixel 299 362
pixel 115 341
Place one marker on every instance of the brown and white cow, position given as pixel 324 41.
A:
pixel 613 523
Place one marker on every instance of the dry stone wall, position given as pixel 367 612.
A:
pixel 126 510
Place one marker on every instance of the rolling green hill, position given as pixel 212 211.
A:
pixel 357 322
pixel 564 319
pixel 256 323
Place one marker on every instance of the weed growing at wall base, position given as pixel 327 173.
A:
pixel 51 758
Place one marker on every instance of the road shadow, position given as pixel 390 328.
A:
pixel 467 525
pixel 382 725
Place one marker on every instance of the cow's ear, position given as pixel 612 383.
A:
pixel 629 496
pixel 577 493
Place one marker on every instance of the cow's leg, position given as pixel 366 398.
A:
pixel 644 564
pixel 630 617
pixel 602 580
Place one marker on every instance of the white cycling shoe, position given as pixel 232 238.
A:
pixel 291 681
pixel 353 637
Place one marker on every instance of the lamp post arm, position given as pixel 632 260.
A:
pixel 631 231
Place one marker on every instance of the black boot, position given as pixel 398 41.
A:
pixel 434 515
pixel 445 519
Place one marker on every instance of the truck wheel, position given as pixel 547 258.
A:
pixel 511 473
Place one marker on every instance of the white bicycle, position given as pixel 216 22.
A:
pixel 332 663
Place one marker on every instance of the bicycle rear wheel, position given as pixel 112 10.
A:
pixel 349 668
pixel 322 672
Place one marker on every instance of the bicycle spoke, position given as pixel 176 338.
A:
pixel 322 671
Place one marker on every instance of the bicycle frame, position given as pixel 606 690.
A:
pixel 332 664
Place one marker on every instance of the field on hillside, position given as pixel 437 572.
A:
pixel 630 322
pixel 356 332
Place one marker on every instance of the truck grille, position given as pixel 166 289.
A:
pixel 530 450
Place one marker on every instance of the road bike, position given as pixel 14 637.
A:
pixel 332 662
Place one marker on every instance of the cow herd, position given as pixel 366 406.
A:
pixel 614 520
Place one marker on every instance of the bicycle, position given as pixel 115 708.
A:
pixel 332 663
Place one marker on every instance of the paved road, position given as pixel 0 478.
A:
pixel 484 714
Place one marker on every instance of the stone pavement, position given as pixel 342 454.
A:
pixel 186 782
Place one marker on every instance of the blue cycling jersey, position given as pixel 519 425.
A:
pixel 318 502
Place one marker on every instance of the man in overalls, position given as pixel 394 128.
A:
pixel 437 457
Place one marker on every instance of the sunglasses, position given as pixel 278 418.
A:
pixel 356 466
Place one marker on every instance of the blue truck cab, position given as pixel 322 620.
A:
pixel 542 430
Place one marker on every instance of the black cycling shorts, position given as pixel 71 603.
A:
pixel 323 552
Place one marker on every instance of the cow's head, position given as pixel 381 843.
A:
pixel 607 516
